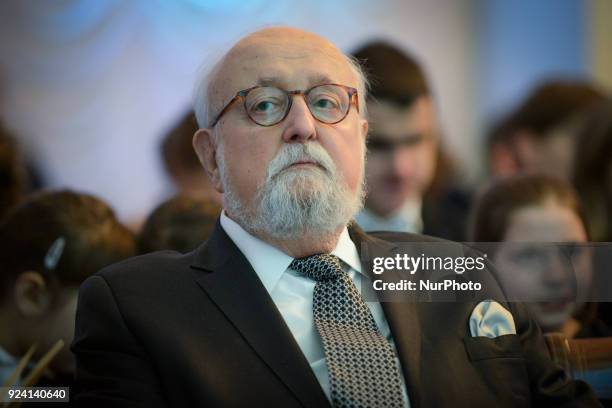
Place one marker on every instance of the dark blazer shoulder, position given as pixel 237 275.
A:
pixel 405 237
pixel 155 266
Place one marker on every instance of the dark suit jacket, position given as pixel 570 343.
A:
pixel 445 214
pixel 199 329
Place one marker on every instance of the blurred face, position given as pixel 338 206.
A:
pixel 552 154
pixel 298 163
pixel 402 154
pixel 45 313
pixel 59 324
pixel 195 184
pixel 553 278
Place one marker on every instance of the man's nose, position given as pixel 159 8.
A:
pixel 299 123
pixel 402 161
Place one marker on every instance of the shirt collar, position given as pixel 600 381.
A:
pixel 6 358
pixel 270 262
pixel 406 219
pixel 8 364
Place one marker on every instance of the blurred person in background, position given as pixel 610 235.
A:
pixel 593 180
pixel 181 162
pixel 544 260
pixel 407 171
pixel 181 224
pixel 593 172
pixel 49 244
pixel 13 178
pixel 539 136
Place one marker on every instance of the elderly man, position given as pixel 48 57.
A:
pixel 266 312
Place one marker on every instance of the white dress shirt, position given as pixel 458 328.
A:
pixel 406 219
pixel 292 293
pixel 8 365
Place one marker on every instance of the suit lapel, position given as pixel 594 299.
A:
pixel 403 321
pixel 231 283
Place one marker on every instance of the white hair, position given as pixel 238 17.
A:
pixel 203 104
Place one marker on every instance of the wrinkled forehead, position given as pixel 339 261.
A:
pixel 287 63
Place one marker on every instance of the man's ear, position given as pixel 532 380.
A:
pixel 206 149
pixel 32 295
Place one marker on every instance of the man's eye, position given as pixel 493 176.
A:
pixel 325 103
pixel 377 145
pixel 265 106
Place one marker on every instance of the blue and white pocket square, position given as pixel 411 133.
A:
pixel 490 319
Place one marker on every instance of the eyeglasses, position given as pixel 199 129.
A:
pixel 268 105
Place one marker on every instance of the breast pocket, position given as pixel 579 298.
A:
pixel 484 348
pixel 501 368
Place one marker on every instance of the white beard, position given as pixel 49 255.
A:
pixel 295 201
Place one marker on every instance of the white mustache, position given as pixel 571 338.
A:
pixel 291 154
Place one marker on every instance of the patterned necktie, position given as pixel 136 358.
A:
pixel 363 371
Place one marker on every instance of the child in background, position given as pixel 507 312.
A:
pixel 49 244
pixel 544 259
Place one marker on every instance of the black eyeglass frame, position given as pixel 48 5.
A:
pixel 241 95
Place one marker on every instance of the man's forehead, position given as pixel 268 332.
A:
pixel 285 59
pixel 391 120
pixel 283 42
